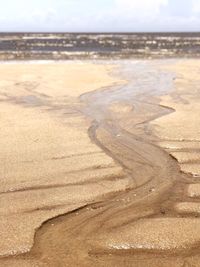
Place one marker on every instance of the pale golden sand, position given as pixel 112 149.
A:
pixel 188 207
pixel 51 167
pixel 193 190
pixel 155 235
pixel 49 164
pixel 177 132
pixel 120 108
pixel 180 130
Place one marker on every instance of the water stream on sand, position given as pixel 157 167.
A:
pixel 120 126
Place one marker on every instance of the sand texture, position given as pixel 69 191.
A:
pixel 49 166
pixel 114 149
pixel 185 120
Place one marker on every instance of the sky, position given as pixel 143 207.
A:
pixel 100 15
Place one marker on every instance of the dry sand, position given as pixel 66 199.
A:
pixel 182 127
pixel 115 174
pixel 49 166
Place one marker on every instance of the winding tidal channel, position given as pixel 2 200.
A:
pixel 147 214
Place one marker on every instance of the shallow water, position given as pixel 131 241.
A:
pixel 139 226
pixel 90 46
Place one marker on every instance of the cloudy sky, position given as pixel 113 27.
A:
pixel 100 15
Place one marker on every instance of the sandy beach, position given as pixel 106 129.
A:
pixel 49 164
pixel 100 163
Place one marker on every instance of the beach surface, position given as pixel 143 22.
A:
pixel 49 164
pixel 100 163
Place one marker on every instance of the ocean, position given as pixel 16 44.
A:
pixel 64 46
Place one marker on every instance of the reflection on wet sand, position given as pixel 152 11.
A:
pixel 102 159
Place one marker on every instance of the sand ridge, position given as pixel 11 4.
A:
pixel 49 164
pixel 154 222
pixel 185 121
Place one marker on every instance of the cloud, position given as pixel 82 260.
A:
pixel 196 6
pixel 157 15
pixel 100 15
pixel 140 8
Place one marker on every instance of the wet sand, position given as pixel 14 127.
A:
pixel 49 164
pixel 110 151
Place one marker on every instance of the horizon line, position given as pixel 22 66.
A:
pixel 97 32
